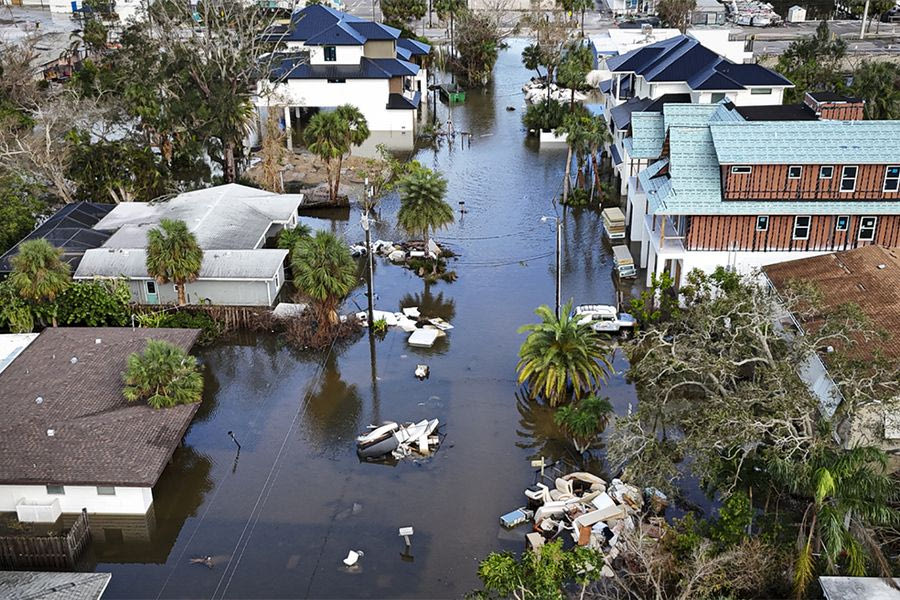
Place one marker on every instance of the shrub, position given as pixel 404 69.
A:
pixel 103 302
pixel 544 115
pixel 163 375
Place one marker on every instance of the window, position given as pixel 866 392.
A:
pixel 867 229
pixel 341 80
pixel 795 171
pixel 760 91
pixel 762 223
pixel 826 172
pixel 848 179
pixel 716 97
pixel 740 170
pixel 842 223
pixel 56 490
pixel 106 490
pixel 151 287
pixel 276 281
pixel 892 179
pixel 330 54
pixel 801 228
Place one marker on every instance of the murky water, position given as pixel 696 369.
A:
pixel 278 518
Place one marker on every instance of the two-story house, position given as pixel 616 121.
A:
pixel 744 194
pixel 326 58
pixel 694 68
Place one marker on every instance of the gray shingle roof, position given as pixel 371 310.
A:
pixel 808 142
pixel 99 438
pixel 217 264
pixel 40 585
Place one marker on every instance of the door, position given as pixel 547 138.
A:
pixel 152 296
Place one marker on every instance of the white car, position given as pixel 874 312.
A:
pixel 604 318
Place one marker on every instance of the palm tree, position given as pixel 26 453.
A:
pixel 574 129
pixel 584 421
pixel 39 275
pixel 422 205
pixel 878 83
pixel 847 493
pixel 596 134
pixel 324 271
pixel 326 137
pixel 289 238
pixel 173 255
pixel 561 356
pixel 532 57
pixel 163 375
pixel 356 132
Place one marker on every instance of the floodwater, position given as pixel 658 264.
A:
pixel 278 517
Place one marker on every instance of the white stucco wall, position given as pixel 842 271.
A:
pixel 127 500
pixel 345 55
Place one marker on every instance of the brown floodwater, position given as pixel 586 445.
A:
pixel 278 518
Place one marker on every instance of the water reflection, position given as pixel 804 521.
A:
pixel 430 304
pixel 333 409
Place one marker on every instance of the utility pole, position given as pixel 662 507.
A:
pixel 862 29
pixel 558 265
pixel 366 225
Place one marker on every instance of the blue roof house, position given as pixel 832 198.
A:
pixel 326 58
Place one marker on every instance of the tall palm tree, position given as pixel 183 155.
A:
pixel 532 57
pixel 584 421
pixel 596 136
pixel 847 493
pixel 39 275
pixel 422 205
pixel 163 375
pixel 574 129
pixel 326 137
pixel 324 271
pixel 173 255
pixel 878 83
pixel 561 356
pixel 356 131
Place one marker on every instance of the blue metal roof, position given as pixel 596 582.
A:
pixel 339 34
pixel 401 102
pixel 683 58
pixel 368 68
pixel 808 142
pixel 316 24
pixel 414 47
pixel 617 159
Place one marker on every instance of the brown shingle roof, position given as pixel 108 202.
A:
pixel 868 276
pixel 99 438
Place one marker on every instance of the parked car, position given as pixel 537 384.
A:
pixel 604 318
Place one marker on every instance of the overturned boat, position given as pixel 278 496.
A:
pixel 392 439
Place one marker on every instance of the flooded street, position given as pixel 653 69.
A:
pixel 278 518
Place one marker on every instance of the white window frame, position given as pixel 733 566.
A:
pixel 844 176
pixel 859 235
pixel 808 226
pixel 741 170
pixel 837 223
pixel 760 91
pixel 830 173
pixel 61 492
pixel 799 174
pixel 106 490
pixel 895 178
pixel 766 226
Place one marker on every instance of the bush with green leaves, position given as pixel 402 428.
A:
pixel 183 319
pixel 545 116
pixel 15 313
pixel 585 420
pixel 98 303
pixel 19 208
pixel 163 375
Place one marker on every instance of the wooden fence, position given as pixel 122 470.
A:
pixel 46 552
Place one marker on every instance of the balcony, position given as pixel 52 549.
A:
pixel 663 235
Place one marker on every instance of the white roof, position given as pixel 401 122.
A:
pixel 228 216
pixel 620 41
pixel 11 345
pixel 217 264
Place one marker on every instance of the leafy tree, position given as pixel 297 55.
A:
pixel 573 70
pixel 15 312
pixel 289 238
pixel 577 6
pixel 813 63
pixel 39 275
pixel 479 37
pixel 422 205
pixel 532 58
pixel 331 135
pixel 325 272
pixel 99 303
pixel 585 135
pixel 122 170
pixel 545 116
pixel 163 375
pixel 538 574
pixel 19 209
pixel 584 421
pixel 400 13
pixel 448 10
pixel 878 83
pixel 173 255
pixel 658 303
pixel 95 35
pixel 561 357
pixel 676 13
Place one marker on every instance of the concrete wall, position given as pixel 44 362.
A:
pixel 240 293
pixel 127 500
pixel 380 49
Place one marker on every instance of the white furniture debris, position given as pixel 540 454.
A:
pixel 424 338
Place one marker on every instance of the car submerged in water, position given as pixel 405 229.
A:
pixel 604 318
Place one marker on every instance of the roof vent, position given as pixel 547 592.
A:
pixel 73 360
pixel 39 400
pixel 97 341
pixel 882 266
pixel 51 432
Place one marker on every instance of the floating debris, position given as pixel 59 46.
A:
pixel 396 440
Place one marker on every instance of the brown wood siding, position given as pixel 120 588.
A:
pixel 739 233
pixel 770 182
pixel 841 112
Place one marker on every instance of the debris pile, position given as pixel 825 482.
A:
pixel 752 12
pixel 399 252
pixel 423 331
pixel 584 507
pixel 399 440
pixel 536 91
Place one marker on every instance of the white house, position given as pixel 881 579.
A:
pixel 69 440
pixel 327 58
pixel 232 224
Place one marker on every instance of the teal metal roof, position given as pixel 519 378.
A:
pixel 807 142
pixel 692 162
pixel 648 132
